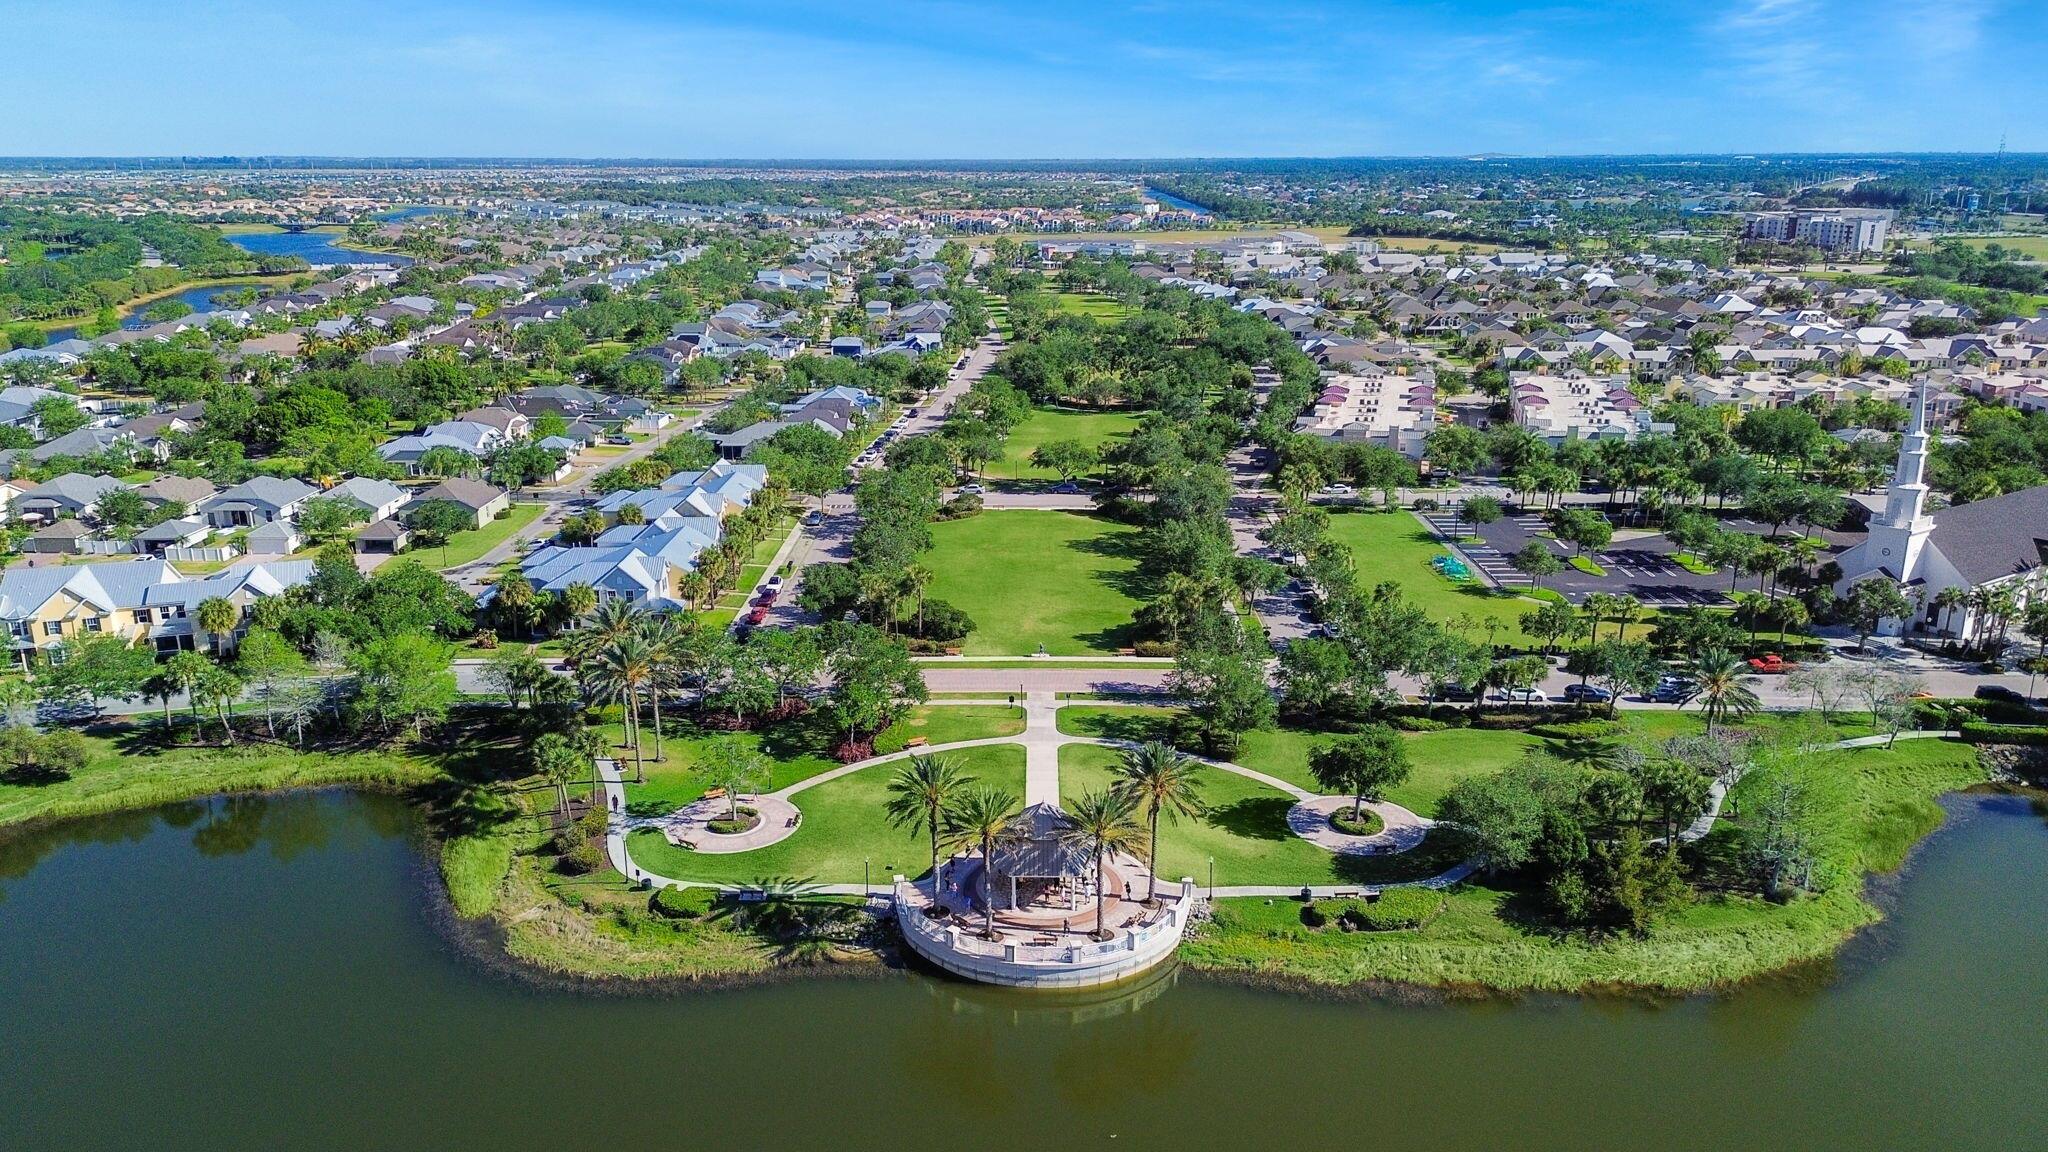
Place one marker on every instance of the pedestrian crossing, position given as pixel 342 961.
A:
pixel 1485 557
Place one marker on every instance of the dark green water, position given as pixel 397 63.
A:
pixel 265 975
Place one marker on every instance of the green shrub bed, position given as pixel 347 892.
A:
pixel 1366 823
pixel 1395 909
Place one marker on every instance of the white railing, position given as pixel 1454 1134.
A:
pixel 956 947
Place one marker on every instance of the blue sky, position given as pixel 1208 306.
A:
pixel 921 78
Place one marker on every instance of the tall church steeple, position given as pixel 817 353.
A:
pixel 1899 534
pixel 1905 504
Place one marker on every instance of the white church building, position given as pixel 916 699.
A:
pixel 1985 544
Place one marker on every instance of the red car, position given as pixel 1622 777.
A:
pixel 759 614
pixel 1771 662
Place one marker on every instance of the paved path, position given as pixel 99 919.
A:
pixel 1042 740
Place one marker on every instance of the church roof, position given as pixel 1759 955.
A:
pixel 1991 539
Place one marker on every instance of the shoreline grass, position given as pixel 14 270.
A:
pixel 1488 935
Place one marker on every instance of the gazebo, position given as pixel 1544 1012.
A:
pixel 1038 866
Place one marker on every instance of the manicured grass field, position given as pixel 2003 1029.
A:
pixel 1105 308
pixel 1244 828
pixel 2034 247
pixel 1486 935
pixel 1030 577
pixel 844 824
pixel 469 547
pixel 1440 759
pixel 795 749
pixel 1395 546
pixel 1045 425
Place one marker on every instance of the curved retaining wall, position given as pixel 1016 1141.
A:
pixel 1031 966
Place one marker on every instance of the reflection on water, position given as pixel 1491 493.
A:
pixel 279 945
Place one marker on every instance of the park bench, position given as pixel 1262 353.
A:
pixel 917 742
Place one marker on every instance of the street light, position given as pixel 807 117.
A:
pixel 866 889
pixel 1212 879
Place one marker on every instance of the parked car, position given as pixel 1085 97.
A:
pixel 1456 692
pixel 1771 663
pixel 1521 696
pixel 2000 693
pixel 1586 694
pixel 759 614
pixel 972 489
pixel 1336 489
pixel 1671 690
pixel 774 584
pixel 813 518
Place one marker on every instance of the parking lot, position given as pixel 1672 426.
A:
pixel 1640 567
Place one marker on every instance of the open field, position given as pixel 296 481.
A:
pixel 1045 425
pixel 1243 828
pixel 844 825
pixel 1440 759
pixel 1493 937
pixel 1394 546
pixel 1105 308
pixel 2032 247
pixel 1029 577
pixel 792 750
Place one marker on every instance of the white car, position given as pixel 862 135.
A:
pixel 1336 489
pixel 972 489
pixel 1521 696
pixel 774 584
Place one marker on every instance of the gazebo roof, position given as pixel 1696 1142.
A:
pixel 1036 849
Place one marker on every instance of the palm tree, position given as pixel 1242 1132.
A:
pixel 1720 683
pixel 1157 777
pixel 670 639
pixel 1598 607
pixel 621 669
pixel 920 793
pixel 1624 611
pixel 985 816
pixel 1104 823
pixel 1947 601
pixel 217 616
pixel 614 618
pixel 916 580
pixel 1789 613
pixel 884 595
pixel 578 600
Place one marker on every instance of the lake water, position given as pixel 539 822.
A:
pixel 197 299
pixel 312 247
pixel 1169 200
pixel 265 974
pixel 414 211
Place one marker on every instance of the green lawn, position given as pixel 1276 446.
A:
pixel 1028 577
pixel 1045 425
pixel 1440 759
pixel 1101 307
pixel 2033 247
pixel 844 824
pixel 1395 546
pixel 469 547
pixel 1244 829
pixel 1485 935
pixel 795 749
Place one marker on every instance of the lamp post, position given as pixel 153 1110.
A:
pixel 1212 879
pixel 866 889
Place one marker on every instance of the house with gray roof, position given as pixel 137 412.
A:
pixel 259 500
pixel 73 494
